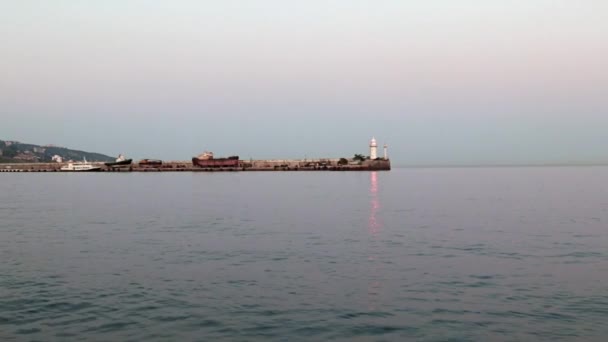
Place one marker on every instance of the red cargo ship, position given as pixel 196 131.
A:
pixel 206 160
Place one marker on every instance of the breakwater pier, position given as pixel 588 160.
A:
pixel 207 163
pixel 243 165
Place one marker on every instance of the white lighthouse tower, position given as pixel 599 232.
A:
pixel 373 149
pixel 385 152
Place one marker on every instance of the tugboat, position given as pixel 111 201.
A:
pixel 120 161
pixel 80 167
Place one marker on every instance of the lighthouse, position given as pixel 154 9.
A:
pixel 385 152
pixel 373 149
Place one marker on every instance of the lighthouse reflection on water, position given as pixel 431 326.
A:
pixel 374 230
pixel 374 225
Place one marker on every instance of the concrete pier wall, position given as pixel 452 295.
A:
pixel 244 165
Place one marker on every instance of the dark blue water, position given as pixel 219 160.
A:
pixel 471 254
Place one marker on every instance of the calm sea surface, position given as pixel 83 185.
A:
pixel 460 254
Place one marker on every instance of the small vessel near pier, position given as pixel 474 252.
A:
pixel 83 166
pixel 120 161
pixel 150 163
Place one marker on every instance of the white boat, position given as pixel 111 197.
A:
pixel 83 166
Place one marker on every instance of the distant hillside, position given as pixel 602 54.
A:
pixel 16 152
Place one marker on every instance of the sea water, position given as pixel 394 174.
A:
pixel 461 254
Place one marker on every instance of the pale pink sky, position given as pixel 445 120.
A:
pixel 260 71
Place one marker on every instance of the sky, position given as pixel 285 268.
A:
pixel 469 82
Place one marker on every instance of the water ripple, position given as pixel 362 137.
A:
pixel 429 255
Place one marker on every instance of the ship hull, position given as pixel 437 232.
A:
pixel 216 163
pixel 120 163
pixel 95 169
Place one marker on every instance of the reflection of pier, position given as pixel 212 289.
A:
pixel 374 228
